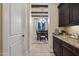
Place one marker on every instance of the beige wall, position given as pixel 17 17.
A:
pixel 72 29
pixel 0 29
pixel 53 21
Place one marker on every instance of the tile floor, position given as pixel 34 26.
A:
pixel 39 49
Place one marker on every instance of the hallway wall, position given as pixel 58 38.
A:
pixel 53 23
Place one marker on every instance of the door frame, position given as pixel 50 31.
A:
pixel 1 29
pixel 6 16
pixel 5 11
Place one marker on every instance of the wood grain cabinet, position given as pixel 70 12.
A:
pixel 67 50
pixel 75 13
pixel 62 48
pixel 57 47
pixel 63 14
pixel 68 14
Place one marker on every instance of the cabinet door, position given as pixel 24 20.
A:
pixel 61 16
pixel 75 13
pixel 67 52
pixel 64 15
pixel 57 47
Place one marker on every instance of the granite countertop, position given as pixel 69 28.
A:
pixel 69 40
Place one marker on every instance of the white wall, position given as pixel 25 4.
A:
pixel 53 21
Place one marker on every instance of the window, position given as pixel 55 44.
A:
pixel 41 24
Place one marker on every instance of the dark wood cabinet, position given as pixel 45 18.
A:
pixel 63 14
pixel 75 13
pixel 68 14
pixel 57 47
pixel 62 48
pixel 67 52
pixel 67 49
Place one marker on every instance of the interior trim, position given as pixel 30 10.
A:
pixel 39 15
pixel 39 12
pixel 37 6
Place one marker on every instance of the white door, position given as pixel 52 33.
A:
pixel 14 18
pixel 16 39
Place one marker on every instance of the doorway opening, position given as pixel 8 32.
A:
pixel 39 30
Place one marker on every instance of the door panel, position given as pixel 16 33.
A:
pixel 16 47
pixel 16 19
pixel 15 38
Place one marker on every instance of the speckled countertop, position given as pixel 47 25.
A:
pixel 69 40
